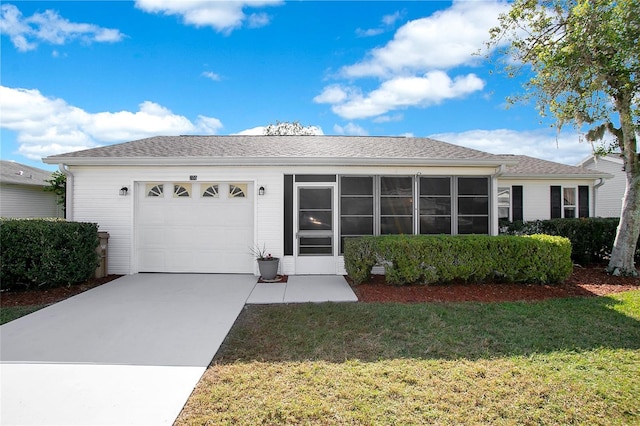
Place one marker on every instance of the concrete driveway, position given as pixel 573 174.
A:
pixel 127 352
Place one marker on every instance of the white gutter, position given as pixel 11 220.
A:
pixel 595 195
pixel 68 192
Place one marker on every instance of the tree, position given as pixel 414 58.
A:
pixel 58 185
pixel 286 128
pixel 584 58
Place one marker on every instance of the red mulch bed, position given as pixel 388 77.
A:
pixel 51 295
pixel 588 281
pixel 584 281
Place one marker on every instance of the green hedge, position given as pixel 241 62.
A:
pixel 591 238
pixel 441 258
pixel 46 253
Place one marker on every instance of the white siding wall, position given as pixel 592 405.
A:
pixel 609 196
pixel 27 201
pixel 96 198
pixel 536 198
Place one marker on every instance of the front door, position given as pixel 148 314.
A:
pixel 315 236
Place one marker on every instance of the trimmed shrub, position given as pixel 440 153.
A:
pixel 428 259
pixel 46 253
pixel 591 238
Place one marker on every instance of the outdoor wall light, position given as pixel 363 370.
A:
pixel 124 190
pixel 261 190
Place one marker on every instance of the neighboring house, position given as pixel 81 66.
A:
pixel 22 192
pixel 539 189
pixel 200 203
pixel 609 195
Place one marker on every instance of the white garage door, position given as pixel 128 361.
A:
pixel 204 227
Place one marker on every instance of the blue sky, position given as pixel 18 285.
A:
pixel 80 74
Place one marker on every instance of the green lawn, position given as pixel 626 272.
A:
pixel 10 313
pixel 565 361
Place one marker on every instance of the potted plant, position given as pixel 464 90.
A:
pixel 267 264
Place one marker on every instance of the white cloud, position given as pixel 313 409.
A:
pixel 388 118
pixel 212 75
pixel 400 92
pixel 47 126
pixel 223 16
pixel 391 19
pixel 50 27
pixel 369 33
pixel 333 94
pixel 350 129
pixel 387 22
pixel 257 20
pixel 255 131
pixel 446 39
pixel 564 147
pixel 412 67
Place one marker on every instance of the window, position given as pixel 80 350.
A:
pixel 210 190
pixel 237 190
pixel 396 205
pixel 154 190
pixel 182 190
pixel 435 205
pixel 569 202
pixel 473 205
pixel 504 203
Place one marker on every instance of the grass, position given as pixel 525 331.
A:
pixel 564 361
pixel 14 312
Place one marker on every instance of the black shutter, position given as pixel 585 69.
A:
pixel 583 201
pixel 556 202
pixel 517 212
pixel 288 215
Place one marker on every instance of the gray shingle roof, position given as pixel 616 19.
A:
pixel 20 174
pixel 355 148
pixel 346 150
pixel 529 166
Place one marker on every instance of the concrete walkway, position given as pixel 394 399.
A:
pixel 131 351
pixel 304 289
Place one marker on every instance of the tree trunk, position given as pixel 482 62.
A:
pixel 624 247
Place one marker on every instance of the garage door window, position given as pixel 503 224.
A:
pixel 154 190
pixel 237 190
pixel 181 190
pixel 210 190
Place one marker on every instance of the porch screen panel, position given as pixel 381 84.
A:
pixel 435 205
pixel 356 207
pixel 396 205
pixel 473 205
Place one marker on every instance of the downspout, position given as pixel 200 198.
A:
pixel 595 195
pixel 68 192
pixel 495 228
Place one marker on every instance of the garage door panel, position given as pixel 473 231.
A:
pixel 195 234
pixel 153 260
